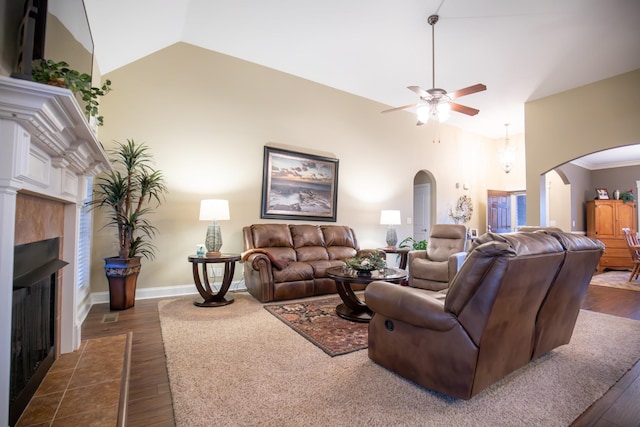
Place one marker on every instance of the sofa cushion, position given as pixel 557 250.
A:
pixel 445 240
pixel 320 267
pixel 295 271
pixel 312 253
pixel 338 235
pixel 306 235
pixel 341 252
pixel 271 235
pixel 430 270
pixel 284 255
pixel 439 249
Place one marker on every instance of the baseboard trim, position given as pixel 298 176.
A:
pixel 162 292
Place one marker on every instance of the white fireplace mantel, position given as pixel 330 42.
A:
pixel 47 148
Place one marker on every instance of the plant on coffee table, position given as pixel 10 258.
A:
pixel 367 260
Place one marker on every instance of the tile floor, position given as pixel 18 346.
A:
pixel 81 388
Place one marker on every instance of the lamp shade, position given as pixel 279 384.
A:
pixel 214 210
pixel 390 217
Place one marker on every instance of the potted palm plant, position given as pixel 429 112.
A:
pixel 129 192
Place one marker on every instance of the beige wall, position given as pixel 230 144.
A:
pixel 207 117
pixel 568 125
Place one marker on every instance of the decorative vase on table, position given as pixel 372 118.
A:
pixel 616 194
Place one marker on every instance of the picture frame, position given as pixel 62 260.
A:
pixel 299 186
pixel 473 233
pixel 602 194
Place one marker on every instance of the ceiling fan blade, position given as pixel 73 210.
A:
pixel 417 89
pixel 464 109
pixel 467 91
pixel 400 108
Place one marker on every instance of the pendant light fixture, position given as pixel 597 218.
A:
pixel 507 156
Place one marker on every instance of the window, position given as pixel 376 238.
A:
pixel 521 209
pixel 84 244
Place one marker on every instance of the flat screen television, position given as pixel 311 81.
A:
pixel 57 30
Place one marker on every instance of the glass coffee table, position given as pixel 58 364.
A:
pixel 352 307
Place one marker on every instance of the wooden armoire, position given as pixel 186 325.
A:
pixel 605 221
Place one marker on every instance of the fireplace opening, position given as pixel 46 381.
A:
pixel 33 320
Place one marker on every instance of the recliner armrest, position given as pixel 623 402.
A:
pixel 416 254
pixel 252 254
pixel 409 305
pixel 455 262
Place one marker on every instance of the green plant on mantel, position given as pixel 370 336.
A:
pixel 59 74
pixel 416 245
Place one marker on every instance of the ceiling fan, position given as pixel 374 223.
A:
pixel 436 103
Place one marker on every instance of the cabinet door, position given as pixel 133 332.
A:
pixel 626 217
pixel 605 219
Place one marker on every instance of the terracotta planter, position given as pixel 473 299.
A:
pixel 122 275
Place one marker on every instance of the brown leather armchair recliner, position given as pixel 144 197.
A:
pixel 436 266
pixel 505 306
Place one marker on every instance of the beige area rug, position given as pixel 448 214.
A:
pixel 239 365
pixel 616 279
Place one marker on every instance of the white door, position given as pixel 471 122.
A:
pixel 421 211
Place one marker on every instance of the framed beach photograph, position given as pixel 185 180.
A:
pixel 602 194
pixel 299 186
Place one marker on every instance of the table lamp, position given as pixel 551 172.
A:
pixel 213 210
pixel 390 218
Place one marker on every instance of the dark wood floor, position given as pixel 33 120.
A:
pixel 150 396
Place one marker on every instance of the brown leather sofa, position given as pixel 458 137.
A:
pixel 516 296
pixel 289 261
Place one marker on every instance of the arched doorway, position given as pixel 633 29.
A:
pixel 558 200
pixel 424 205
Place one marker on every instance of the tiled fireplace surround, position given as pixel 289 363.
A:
pixel 46 150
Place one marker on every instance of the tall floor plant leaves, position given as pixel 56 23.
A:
pixel 130 193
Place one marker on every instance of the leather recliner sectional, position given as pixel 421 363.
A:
pixel 516 297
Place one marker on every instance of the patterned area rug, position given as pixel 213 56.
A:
pixel 317 321
pixel 616 279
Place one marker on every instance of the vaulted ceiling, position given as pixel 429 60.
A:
pixel 521 49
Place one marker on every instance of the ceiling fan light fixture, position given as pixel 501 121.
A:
pixel 436 103
pixel 443 110
pixel 423 113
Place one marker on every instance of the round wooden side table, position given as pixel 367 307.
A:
pixel 209 298
pixel 403 252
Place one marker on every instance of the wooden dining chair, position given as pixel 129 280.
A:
pixel 634 249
